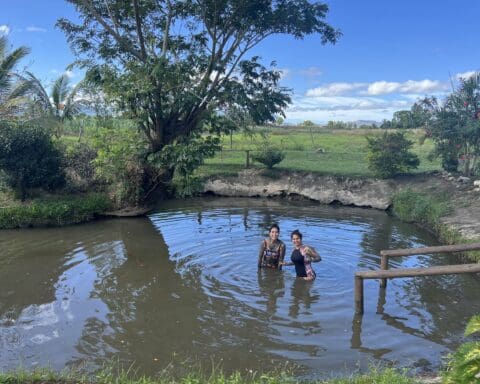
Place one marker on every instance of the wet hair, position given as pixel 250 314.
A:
pixel 274 226
pixel 298 233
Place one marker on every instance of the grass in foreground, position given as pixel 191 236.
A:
pixel 384 376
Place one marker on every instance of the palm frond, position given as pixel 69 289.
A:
pixel 59 91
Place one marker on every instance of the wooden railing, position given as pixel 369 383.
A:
pixel 384 273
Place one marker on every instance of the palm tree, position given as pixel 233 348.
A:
pixel 12 88
pixel 62 104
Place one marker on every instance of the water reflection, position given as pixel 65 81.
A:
pixel 302 298
pixel 272 287
pixel 183 286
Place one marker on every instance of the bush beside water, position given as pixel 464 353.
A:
pixel 45 212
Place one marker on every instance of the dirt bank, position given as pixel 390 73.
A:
pixel 464 217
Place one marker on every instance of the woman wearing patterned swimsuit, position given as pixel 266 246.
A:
pixel 302 257
pixel 272 250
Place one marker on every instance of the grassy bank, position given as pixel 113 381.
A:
pixel 385 376
pixel 341 153
pixel 52 211
pixel 427 210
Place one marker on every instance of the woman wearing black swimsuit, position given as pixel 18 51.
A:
pixel 302 257
pixel 272 250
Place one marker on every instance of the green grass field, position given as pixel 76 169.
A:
pixel 341 152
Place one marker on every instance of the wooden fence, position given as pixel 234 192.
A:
pixel 384 273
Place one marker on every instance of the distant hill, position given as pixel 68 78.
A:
pixel 366 122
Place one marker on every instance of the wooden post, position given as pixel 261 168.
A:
pixel 247 161
pixel 358 294
pixel 383 266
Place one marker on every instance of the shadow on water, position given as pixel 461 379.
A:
pixel 182 287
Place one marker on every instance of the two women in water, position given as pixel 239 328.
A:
pixel 272 253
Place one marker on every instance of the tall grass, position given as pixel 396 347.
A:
pixel 382 376
pixel 56 211
pixel 417 207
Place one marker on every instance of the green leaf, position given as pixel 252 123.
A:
pixel 473 325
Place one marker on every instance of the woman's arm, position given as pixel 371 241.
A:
pixel 282 256
pixel 260 254
pixel 312 253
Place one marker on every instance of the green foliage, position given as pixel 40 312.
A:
pixel 177 82
pixel 454 125
pixel 79 163
pixel 29 159
pixel 185 157
pixel 420 208
pixel 62 104
pixel 122 376
pixel 464 364
pixel 269 155
pixel 12 92
pixel 54 211
pixel 389 154
pixel 120 164
pixel 343 152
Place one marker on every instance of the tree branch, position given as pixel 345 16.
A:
pixel 118 38
pixel 138 23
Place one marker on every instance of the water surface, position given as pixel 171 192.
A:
pixel 181 287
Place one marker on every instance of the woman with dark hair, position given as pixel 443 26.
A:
pixel 302 257
pixel 272 250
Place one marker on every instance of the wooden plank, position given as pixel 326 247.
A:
pixel 437 249
pixel 413 272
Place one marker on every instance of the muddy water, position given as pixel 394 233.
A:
pixel 181 288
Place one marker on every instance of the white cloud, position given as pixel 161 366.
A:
pixel 382 88
pixel 4 30
pixel 69 74
pixel 422 86
pixel 410 86
pixel 321 109
pixel 33 28
pixel 465 75
pixel 334 89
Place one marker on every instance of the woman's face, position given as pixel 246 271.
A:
pixel 296 240
pixel 274 234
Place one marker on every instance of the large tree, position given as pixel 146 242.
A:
pixel 180 68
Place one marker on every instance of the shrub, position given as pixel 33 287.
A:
pixel 464 364
pixel 269 156
pixel 389 154
pixel 46 213
pixel 79 162
pixel 30 159
pixel 120 164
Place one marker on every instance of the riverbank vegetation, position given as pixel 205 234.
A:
pixel 376 376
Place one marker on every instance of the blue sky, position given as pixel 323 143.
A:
pixel 391 54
